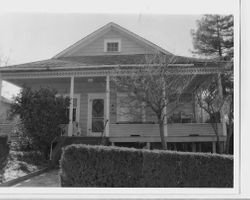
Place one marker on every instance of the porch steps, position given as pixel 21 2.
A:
pixel 65 141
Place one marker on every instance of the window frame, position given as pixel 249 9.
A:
pixel 106 41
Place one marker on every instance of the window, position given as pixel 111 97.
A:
pixel 112 45
pixel 129 110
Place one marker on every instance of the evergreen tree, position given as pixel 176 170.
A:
pixel 214 36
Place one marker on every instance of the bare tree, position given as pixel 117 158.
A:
pixel 155 86
pixel 209 99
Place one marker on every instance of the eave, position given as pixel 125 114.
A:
pixel 99 71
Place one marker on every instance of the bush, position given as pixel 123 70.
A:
pixel 100 170
pixel 21 141
pixel 31 157
pixel 4 153
pixel 41 112
pixel 179 169
pixel 99 166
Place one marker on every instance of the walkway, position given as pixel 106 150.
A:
pixel 48 179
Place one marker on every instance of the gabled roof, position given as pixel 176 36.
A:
pixel 105 29
pixel 62 62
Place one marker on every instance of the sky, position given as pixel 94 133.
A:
pixel 31 37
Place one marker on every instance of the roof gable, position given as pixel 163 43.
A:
pixel 93 44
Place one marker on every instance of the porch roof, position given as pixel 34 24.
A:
pixel 107 61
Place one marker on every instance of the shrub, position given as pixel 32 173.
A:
pixel 4 153
pixel 85 166
pixel 182 169
pixel 99 166
pixel 22 141
pixel 31 157
pixel 41 112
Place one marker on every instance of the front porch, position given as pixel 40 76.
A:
pixel 89 86
pixel 189 133
pixel 176 133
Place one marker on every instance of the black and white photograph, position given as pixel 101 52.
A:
pixel 127 103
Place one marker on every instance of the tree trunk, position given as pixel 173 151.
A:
pixel 229 135
pixel 163 142
pixel 219 40
pixel 230 128
pixel 218 144
pixel 215 127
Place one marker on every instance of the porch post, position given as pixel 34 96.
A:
pixel 70 127
pixel 107 105
pixel 224 128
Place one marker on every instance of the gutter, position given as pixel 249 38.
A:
pixel 6 69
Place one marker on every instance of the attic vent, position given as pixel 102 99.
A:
pixel 112 45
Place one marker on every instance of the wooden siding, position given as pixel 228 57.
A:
pixel 96 47
pixel 122 130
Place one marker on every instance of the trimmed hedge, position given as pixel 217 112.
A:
pixel 102 166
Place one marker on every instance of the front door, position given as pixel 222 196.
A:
pixel 96 114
